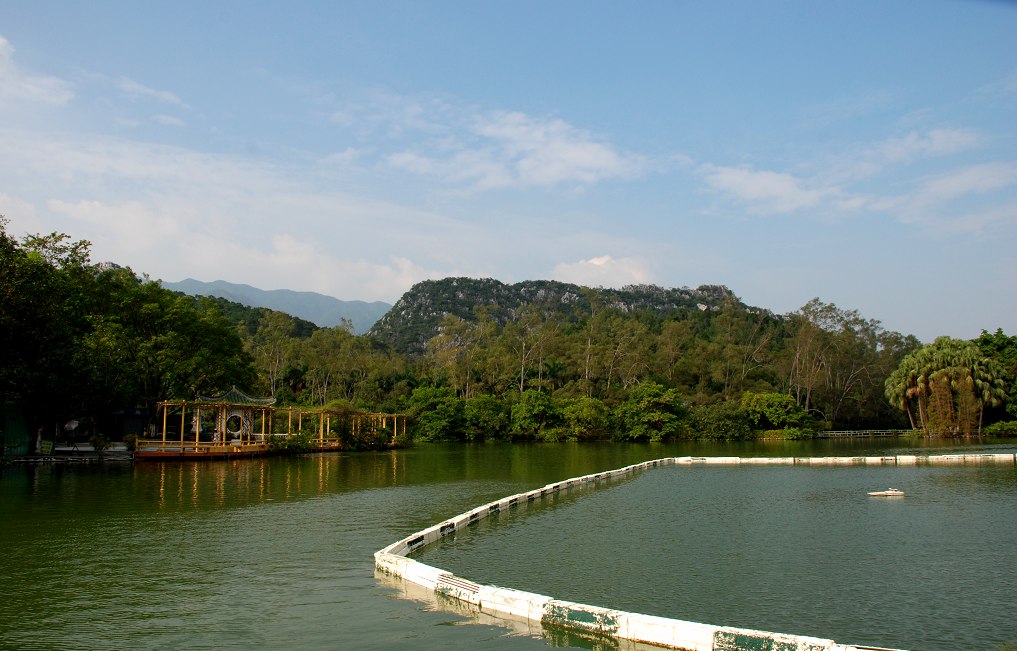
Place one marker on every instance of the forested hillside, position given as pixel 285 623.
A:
pixel 478 359
pixel 416 317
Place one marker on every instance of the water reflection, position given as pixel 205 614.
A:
pixel 277 552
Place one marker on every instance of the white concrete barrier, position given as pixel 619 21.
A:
pixel 518 608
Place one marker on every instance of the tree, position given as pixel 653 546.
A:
pixel 672 348
pixel 651 413
pixel 949 383
pixel 437 413
pixel 721 420
pixel 485 418
pixel 836 361
pixel 1003 350
pixel 585 418
pixel 273 349
pixel 40 325
pixel 534 414
pixel 742 345
pixel 772 410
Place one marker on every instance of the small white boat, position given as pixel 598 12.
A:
pixel 889 492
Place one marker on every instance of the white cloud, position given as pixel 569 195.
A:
pixel 173 212
pixel 603 271
pixel 511 149
pixel 870 160
pixel 17 87
pixel 25 212
pixel 765 191
pixel 937 142
pixel 168 120
pixel 136 91
pixel 975 179
pixel 130 226
pixel 950 202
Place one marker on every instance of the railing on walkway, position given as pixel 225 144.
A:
pixel 198 448
pixel 831 434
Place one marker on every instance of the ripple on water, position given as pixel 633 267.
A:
pixel 793 549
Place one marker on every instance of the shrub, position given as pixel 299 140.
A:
pixel 437 413
pixel 585 418
pixel 99 442
pixel 788 433
pixel 535 412
pixel 486 418
pixel 721 421
pixel 772 410
pixel 1002 429
pixel 651 413
pixel 131 442
pixel 292 444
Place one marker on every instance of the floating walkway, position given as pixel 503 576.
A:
pixel 529 609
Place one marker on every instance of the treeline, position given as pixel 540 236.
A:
pixel 83 342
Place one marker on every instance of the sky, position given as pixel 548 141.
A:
pixel 863 153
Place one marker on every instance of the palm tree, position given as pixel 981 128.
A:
pixel 952 365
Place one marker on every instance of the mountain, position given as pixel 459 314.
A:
pixel 322 310
pixel 415 317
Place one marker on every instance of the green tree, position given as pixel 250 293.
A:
pixel 947 384
pixel 772 410
pixel 534 414
pixel 437 413
pixel 1002 349
pixel 40 325
pixel 651 413
pixel 273 348
pixel 485 418
pixel 722 420
pixel 585 418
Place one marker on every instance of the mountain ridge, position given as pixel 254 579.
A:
pixel 322 310
pixel 416 316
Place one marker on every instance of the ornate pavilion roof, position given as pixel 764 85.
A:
pixel 237 397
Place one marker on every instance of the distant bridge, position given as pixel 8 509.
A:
pixel 834 434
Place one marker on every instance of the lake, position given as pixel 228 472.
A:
pixel 276 553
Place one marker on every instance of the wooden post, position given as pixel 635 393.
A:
pixel 165 413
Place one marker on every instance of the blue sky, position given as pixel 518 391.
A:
pixel 861 152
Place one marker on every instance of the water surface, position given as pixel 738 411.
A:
pixel 277 553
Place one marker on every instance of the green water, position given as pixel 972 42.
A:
pixel 277 553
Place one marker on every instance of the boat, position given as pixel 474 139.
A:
pixel 889 492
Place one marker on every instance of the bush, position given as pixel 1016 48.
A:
pixel 131 442
pixel 651 413
pixel 1001 430
pixel 437 413
pixel 99 442
pixel 788 433
pixel 535 412
pixel 486 418
pixel 772 410
pixel 721 421
pixel 585 418
pixel 292 444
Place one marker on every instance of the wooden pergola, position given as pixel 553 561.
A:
pixel 236 424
